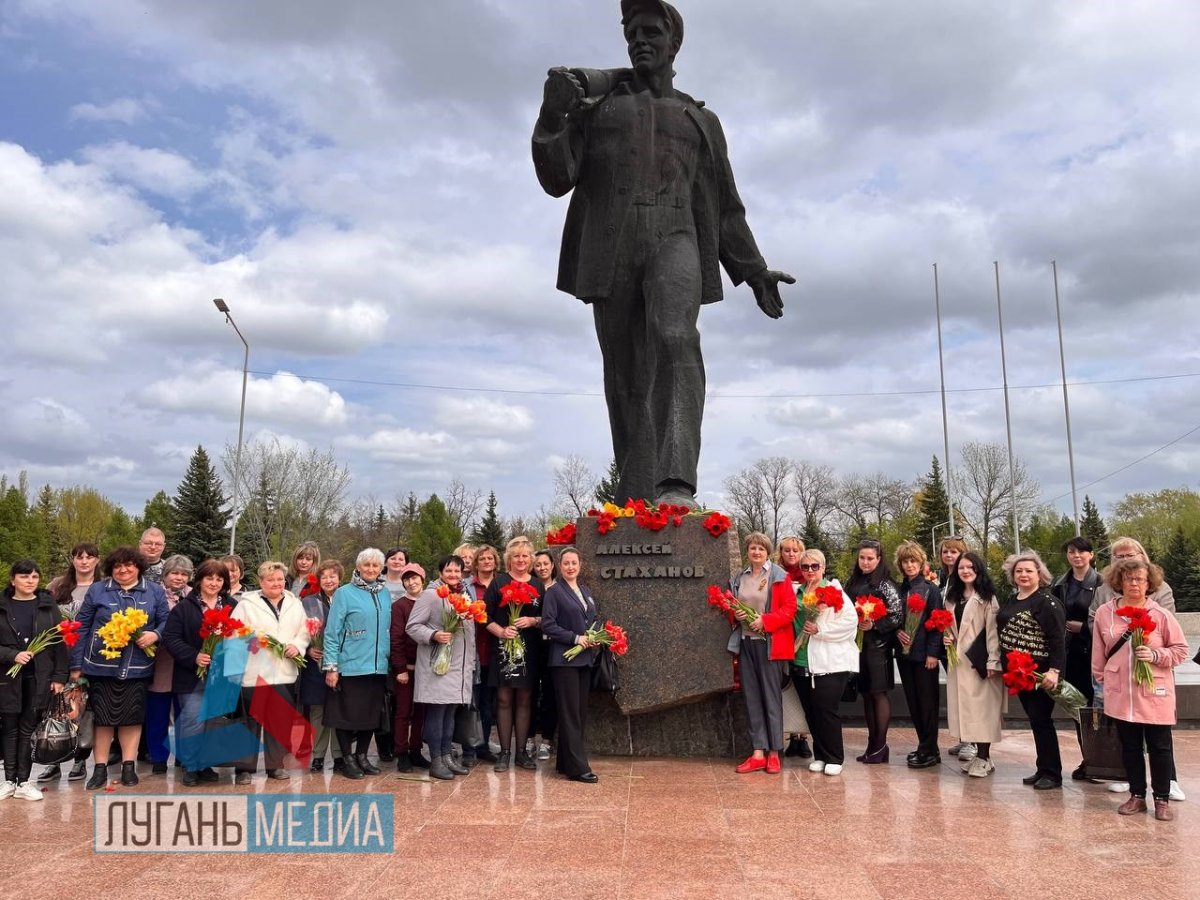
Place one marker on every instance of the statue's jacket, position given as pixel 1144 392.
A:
pixel 600 207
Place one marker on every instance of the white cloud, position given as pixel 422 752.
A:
pixel 149 168
pixel 281 399
pixel 125 110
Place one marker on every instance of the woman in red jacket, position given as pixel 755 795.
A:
pixel 764 643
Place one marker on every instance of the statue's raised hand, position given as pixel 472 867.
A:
pixel 766 291
pixel 561 94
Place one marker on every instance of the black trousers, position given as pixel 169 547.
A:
pixel 572 685
pixel 274 752
pixel 16 729
pixel 921 693
pixel 824 696
pixel 1039 707
pixel 1157 742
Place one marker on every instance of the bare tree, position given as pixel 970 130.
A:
pixel 463 504
pixel 776 475
pixel 291 494
pixel 890 498
pixel 746 498
pixel 854 501
pixel 574 487
pixel 815 489
pixel 986 492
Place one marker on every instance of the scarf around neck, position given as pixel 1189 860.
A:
pixel 371 587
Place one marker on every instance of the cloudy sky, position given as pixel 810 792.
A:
pixel 354 179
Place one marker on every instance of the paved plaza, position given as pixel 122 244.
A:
pixel 668 828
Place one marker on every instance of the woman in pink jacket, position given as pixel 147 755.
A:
pixel 1144 713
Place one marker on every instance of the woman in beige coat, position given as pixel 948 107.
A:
pixel 974 692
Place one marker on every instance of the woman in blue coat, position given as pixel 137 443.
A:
pixel 355 660
pixel 117 686
pixel 568 611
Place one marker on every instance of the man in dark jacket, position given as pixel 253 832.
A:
pixel 654 214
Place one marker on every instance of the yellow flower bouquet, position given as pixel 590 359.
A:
pixel 127 625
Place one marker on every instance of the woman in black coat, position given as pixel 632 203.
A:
pixel 182 639
pixel 1075 590
pixel 25 612
pixel 918 658
pixel 876 672
pixel 1034 622
pixel 568 611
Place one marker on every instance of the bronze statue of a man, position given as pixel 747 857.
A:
pixel 654 211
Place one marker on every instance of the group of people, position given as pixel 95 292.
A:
pixel 1076 629
pixel 388 656
pixel 385 655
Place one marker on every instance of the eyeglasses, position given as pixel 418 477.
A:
pixel 809 567
pixel 1134 580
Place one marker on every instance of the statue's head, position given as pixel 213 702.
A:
pixel 653 32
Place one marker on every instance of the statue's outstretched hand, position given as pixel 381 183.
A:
pixel 766 291
pixel 561 94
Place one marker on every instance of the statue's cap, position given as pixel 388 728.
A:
pixel 668 12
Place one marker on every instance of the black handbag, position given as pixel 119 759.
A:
pixel 1101 744
pixel 605 678
pixel 850 691
pixel 56 737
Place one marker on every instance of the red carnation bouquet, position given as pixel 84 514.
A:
pixel 827 597
pixel 1021 675
pixel 870 609
pixel 1141 624
pixel 915 606
pixel 217 625
pixel 65 632
pixel 942 620
pixel 611 637
pixel 729 604
pixel 563 536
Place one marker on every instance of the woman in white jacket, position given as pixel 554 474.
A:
pixel 275 612
pixel 832 657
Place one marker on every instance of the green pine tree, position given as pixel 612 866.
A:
pixel 200 518
pixel 120 531
pixel 14 526
pixel 159 512
pixel 434 533
pixel 933 507
pixel 490 529
pixel 606 489
pixel 1181 569
pixel 1091 526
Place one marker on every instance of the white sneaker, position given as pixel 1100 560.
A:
pixel 7 789
pixel 27 791
pixel 956 749
pixel 833 769
pixel 1177 793
pixel 1119 787
pixel 817 766
pixel 543 751
pixel 981 768
pixel 968 752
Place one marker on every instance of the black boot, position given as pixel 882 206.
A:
pixel 129 774
pixel 99 777
pixel 403 763
pixel 365 764
pixel 417 758
pixel 350 768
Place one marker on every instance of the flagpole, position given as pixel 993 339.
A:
pixel 1012 468
pixel 937 304
pixel 1062 360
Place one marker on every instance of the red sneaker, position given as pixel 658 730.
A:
pixel 752 765
pixel 773 765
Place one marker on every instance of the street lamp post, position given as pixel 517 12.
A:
pixel 223 307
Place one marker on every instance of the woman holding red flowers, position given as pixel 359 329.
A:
pixel 514 679
pixel 824 664
pixel 1144 713
pixel 795 715
pixel 974 691
pixel 918 657
pixel 25 612
pixel 1036 623
pixel 182 639
pixel 303 570
pixel 876 671
pixel 764 647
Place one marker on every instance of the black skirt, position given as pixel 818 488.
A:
pixel 876 672
pixel 117 701
pixel 357 704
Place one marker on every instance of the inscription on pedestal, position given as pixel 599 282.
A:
pixel 654 584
